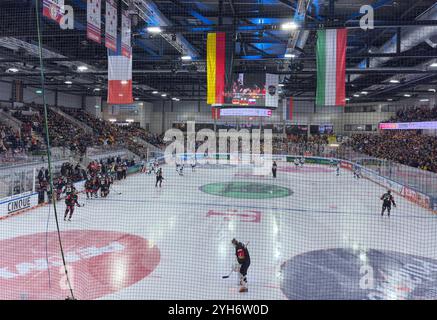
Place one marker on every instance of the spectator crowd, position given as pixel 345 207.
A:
pixel 408 147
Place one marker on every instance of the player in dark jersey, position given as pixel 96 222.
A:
pixel 274 168
pixel 387 201
pixel 69 188
pixel 96 186
pixel 89 187
pixel 243 259
pixel 104 187
pixel 70 202
pixel 60 184
pixel 159 178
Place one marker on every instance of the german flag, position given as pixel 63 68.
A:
pixel 216 65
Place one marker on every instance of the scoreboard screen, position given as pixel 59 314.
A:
pixel 246 112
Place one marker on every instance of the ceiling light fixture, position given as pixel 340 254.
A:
pixel 154 29
pixel 82 68
pixel 289 26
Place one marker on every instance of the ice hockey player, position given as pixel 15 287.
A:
pixel 274 168
pixel 387 201
pixel 332 162
pixel 357 172
pixel 243 260
pixel 89 187
pixel 69 187
pixel 60 184
pixel 70 203
pixel 337 169
pixel 159 178
pixel 193 165
pixel 96 186
pixel 104 187
pixel 296 162
pixel 302 161
pixel 181 170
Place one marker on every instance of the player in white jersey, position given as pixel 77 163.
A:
pixel 296 162
pixel 302 161
pixel 357 172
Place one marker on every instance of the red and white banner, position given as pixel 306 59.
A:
pixel 53 9
pixel 416 197
pixel 94 19
pixel 215 113
pixel 346 165
pixel 126 46
pixel 119 77
pixel 111 25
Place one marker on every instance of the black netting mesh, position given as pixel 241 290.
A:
pixel 281 124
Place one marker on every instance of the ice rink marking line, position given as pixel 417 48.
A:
pixel 296 210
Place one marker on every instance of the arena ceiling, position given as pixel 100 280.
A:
pixel 392 61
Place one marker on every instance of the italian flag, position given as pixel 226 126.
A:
pixel 331 67
pixel 215 67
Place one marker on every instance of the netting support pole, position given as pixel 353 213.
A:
pixel 34 180
pixel 49 160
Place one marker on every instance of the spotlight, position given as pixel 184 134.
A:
pixel 82 68
pixel 289 26
pixel 154 30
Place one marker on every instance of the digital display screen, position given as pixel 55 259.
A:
pixel 408 125
pixel 253 89
pixel 246 112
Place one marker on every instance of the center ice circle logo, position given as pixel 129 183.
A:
pixel 246 190
pixel 98 263
pixel 345 274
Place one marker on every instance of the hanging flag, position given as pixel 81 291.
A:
pixel 111 25
pixel 331 67
pixel 119 77
pixel 94 20
pixel 272 96
pixel 125 35
pixel 215 113
pixel 287 108
pixel 216 61
pixel 53 9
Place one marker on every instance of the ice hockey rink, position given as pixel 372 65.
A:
pixel 310 234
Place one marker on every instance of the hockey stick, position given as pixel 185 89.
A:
pixel 227 276
pixel 112 189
